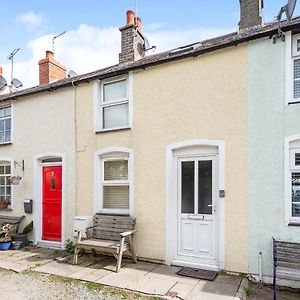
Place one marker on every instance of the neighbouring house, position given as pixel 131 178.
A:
pixel 199 143
pixel 273 147
pixel 37 137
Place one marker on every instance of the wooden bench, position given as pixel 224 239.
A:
pixel 11 220
pixel 286 261
pixel 108 235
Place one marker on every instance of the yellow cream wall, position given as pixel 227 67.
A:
pixel 199 98
pixel 43 123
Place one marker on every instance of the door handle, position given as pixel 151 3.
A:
pixel 211 205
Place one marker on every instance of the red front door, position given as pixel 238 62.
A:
pixel 52 186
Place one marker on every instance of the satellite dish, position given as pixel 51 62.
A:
pixel 291 8
pixel 3 83
pixel 288 9
pixel 16 83
pixel 72 73
pixel 147 45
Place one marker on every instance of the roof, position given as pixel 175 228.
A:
pixel 192 50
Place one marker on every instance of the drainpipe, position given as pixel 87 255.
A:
pixel 260 266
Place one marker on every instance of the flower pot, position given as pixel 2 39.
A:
pixel 4 246
pixel 16 245
pixel 20 238
pixel 3 205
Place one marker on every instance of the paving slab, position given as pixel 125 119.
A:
pixel 56 268
pixel 181 290
pixel 210 290
pixel 14 266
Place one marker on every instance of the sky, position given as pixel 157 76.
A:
pixel 92 39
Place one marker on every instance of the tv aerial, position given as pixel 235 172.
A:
pixel 54 39
pixel 14 82
pixel 288 9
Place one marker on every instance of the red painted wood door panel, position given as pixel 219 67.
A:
pixel 52 203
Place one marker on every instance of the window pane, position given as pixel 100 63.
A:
pixel 7 169
pixel 7 111
pixel 7 136
pixel 2 169
pixel 116 170
pixel 7 124
pixel 1 136
pixel 205 187
pixel 2 125
pixel 2 180
pixel 8 190
pixel 187 187
pixel 295 194
pixel 115 116
pixel 2 191
pixel 114 91
pixel 116 197
pixel 1 112
pixel 297 78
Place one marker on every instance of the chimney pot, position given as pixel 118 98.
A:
pixel 130 17
pixel 139 24
pixel 49 54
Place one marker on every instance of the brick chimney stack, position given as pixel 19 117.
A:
pixel 50 70
pixel 132 39
pixel 250 13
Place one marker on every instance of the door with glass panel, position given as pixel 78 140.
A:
pixel 197 211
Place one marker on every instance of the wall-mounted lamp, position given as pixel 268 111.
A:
pixel 20 164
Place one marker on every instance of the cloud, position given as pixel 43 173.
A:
pixel 90 48
pixel 31 20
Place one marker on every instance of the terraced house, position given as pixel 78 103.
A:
pixel 198 143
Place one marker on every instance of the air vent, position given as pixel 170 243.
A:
pixel 297 159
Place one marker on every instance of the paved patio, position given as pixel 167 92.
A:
pixel 148 278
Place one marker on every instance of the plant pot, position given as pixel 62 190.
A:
pixel 16 245
pixel 18 237
pixel 4 246
pixel 3 205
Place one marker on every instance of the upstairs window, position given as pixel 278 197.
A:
pixel 114 104
pixel 5 125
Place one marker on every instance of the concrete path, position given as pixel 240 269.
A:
pixel 147 278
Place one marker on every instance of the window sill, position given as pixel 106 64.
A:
pixel 294 102
pixel 112 129
pixel 294 223
pixel 6 209
pixel 6 143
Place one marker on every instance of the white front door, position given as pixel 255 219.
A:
pixel 197 194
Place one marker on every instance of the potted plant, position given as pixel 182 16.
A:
pixel 5 241
pixel 3 203
pixel 22 237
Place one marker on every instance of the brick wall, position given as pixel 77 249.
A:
pixel 250 13
pixel 132 44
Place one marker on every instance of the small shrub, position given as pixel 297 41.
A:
pixel 70 246
pixel 222 272
pixel 249 290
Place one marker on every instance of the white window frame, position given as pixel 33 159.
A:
pixel 11 123
pixel 99 104
pixel 293 169
pixel 108 154
pixel 292 146
pixel 9 161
